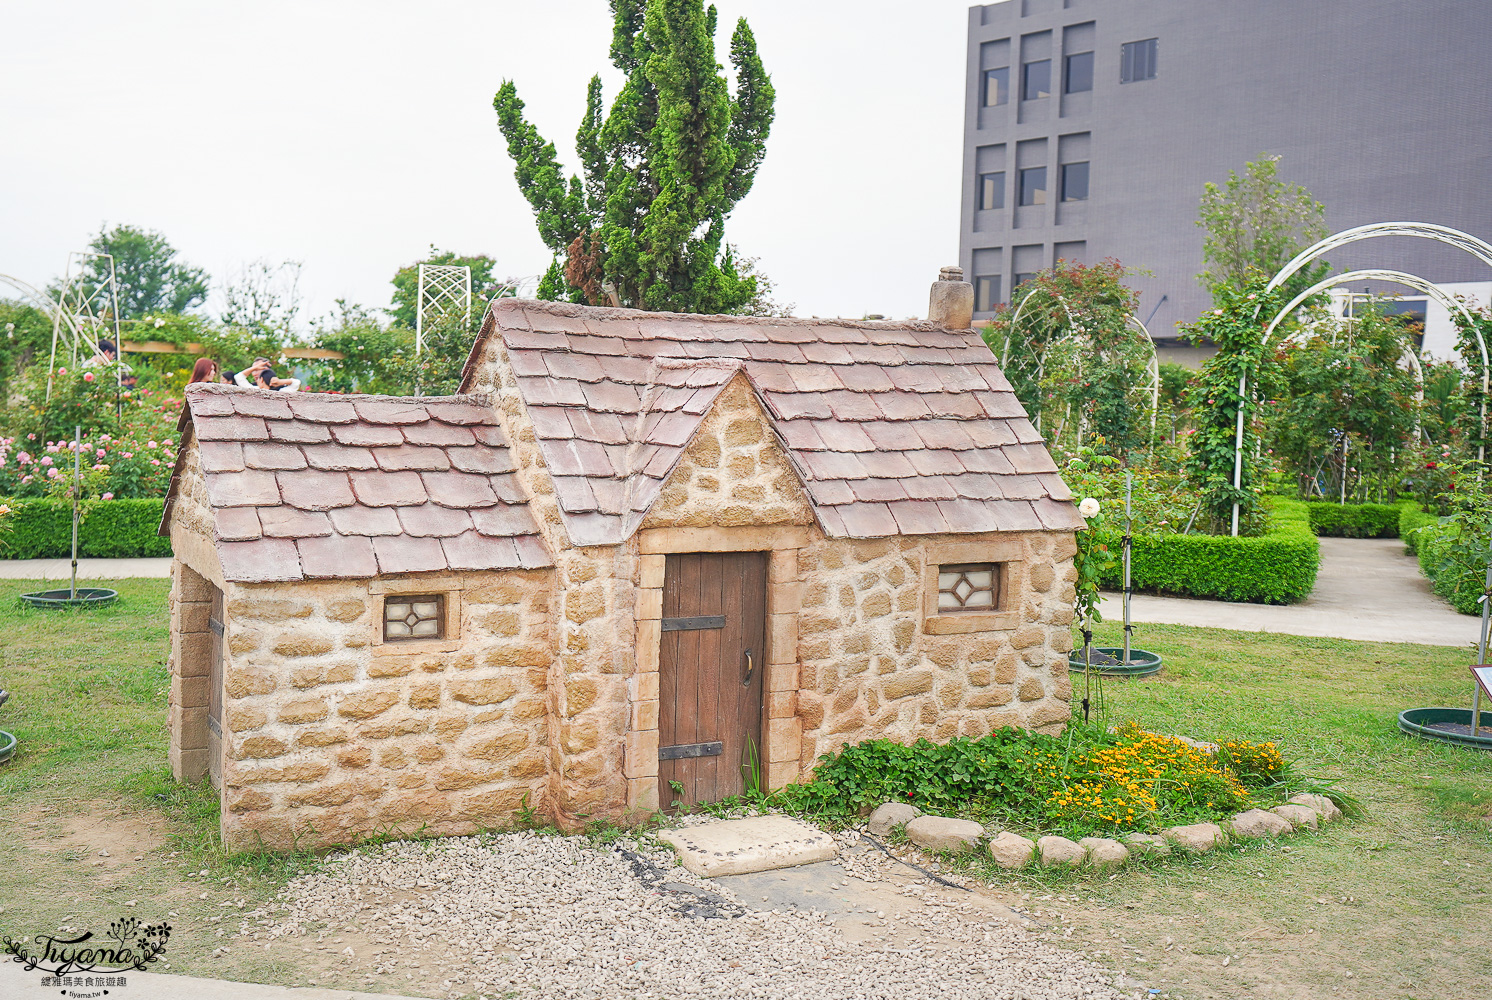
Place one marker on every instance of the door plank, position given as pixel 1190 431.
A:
pixel 703 697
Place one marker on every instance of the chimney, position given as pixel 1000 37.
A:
pixel 951 304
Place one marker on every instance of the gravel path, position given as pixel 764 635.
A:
pixel 524 915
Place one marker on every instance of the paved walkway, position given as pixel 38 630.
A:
pixel 1367 589
pixel 88 569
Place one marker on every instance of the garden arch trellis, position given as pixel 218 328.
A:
pixel 1421 230
pixel 1152 366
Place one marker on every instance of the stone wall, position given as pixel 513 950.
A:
pixel 332 734
pixel 733 473
pixel 872 664
pixel 594 604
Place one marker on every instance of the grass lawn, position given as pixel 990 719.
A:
pixel 1400 899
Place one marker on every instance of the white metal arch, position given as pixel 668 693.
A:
pixel 48 305
pixel 1423 230
pixel 1152 367
pixel 1397 276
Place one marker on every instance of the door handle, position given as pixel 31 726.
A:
pixel 746 682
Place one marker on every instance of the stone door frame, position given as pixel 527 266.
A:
pixel 784 731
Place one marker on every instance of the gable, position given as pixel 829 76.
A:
pixel 733 473
pixel 893 428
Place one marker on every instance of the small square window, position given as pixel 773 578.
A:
pixel 991 191
pixel 1075 182
pixel 1033 186
pixel 1079 76
pixel 986 292
pixel 1036 80
pixel 414 616
pixel 1137 60
pixel 969 587
pixel 996 86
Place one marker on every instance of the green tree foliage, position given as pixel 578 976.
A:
pixel 25 335
pixel 484 285
pixel 1348 409
pixel 149 277
pixel 1255 223
pixel 1236 327
pixel 264 299
pixel 1075 361
pixel 645 225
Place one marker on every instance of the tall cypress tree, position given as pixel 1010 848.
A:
pixel 662 169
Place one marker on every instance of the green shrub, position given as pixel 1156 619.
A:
pixel 1354 520
pixel 111 529
pixel 1278 567
pixel 1089 779
pixel 1412 517
pixel 1456 575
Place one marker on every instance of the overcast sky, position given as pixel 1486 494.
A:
pixel 352 136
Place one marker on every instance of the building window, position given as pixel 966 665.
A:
pixel 1033 186
pixel 414 616
pixel 1079 75
pixel 1036 80
pixel 1075 182
pixel 996 86
pixel 1137 60
pixel 986 292
pixel 991 191
pixel 969 587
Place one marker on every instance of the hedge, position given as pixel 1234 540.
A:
pixel 1278 567
pixel 112 529
pixel 1354 520
pixel 1412 517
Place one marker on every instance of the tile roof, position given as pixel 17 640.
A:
pixel 312 486
pixel 894 428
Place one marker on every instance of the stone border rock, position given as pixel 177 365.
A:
pixel 1012 851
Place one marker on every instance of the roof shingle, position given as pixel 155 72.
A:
pixel 311 486
pixel 894 428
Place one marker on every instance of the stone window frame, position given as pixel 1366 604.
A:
pixel 1010 553
pixel 439 617
pixel 449 588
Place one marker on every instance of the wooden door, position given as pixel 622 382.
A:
pixel 711 680
pixel 215 692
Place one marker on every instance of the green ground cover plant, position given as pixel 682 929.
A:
pixel 1086 781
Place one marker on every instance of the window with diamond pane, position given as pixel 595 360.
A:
pixel 413 616
pixel 969 587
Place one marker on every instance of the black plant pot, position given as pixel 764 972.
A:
pixel 1142 663
pixel 88 597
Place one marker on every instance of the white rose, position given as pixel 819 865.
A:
pixel 1088 507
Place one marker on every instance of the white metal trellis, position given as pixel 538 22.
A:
pixel 1421 230
pixel 82 315
pixel 444 290
pixel 1152 367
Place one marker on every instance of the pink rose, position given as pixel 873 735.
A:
pixel 52 473
pixel 30 437
pixel 88 376
pixel 62 371
pixel 155 461
pixel 150 445
pixel 100 453
pixel 46 460
pixel 129 454
pixel 108 496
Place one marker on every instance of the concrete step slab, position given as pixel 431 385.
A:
pixel 755 844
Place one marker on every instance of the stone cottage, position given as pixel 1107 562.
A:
pixel 641 558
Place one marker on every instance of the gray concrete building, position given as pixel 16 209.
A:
pixel 1092 126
